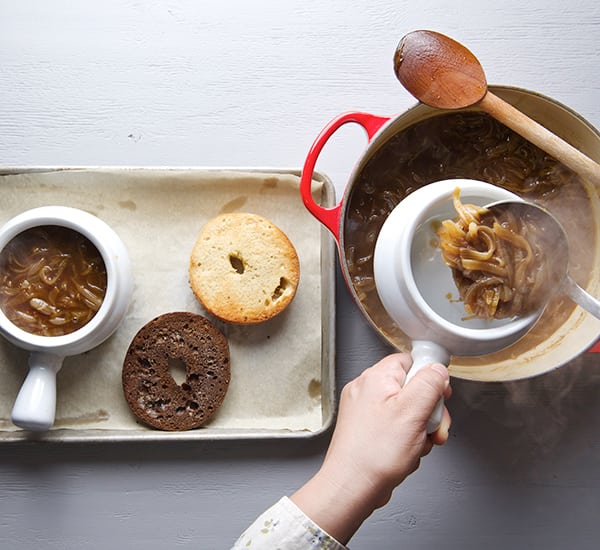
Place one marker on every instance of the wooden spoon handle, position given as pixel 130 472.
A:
pixel 542 137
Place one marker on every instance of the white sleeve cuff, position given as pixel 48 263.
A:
pixel 285 526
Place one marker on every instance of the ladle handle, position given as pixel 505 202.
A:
pixel 582 297
pixel 425 353
pixel 330 217
pixel 542 137
pixel 35 406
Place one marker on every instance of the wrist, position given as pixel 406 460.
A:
pixel 337 502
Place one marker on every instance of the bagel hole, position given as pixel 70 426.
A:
pixel 278 292
pixel 237 263
pixel 177 370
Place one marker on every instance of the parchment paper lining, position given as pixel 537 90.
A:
pixel 276 365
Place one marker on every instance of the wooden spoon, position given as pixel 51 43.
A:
pixel 443 74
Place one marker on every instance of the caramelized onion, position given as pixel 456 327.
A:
pixel 496 262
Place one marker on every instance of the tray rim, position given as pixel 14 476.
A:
pixel 328 323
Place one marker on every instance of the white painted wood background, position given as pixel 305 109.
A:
pixel 239 83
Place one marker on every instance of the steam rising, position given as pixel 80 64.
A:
pixel 530 417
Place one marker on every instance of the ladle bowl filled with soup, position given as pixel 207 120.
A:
pixel 65 286
pixel 425 145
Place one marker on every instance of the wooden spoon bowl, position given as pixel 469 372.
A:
pixel 439 71
pixel 444 74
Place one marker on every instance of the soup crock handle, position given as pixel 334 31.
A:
pixel 426 353
pixel 35 406
pixel 330 217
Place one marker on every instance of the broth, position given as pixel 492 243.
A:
pixel 472 145
pixel 52 280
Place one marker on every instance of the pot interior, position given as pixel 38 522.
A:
pixel 425 145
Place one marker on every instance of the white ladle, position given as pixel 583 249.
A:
pixel 554 236
pixel 415 286
pixel 35 405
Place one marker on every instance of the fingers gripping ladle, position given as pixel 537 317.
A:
pixel 443 74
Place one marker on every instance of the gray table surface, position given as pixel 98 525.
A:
pixel 239 83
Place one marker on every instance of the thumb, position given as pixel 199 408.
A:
pixel 425 389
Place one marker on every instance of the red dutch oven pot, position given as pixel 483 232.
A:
pixel 529 358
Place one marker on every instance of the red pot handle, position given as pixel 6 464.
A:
pixel 330 217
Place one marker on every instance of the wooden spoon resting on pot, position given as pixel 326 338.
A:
pixel 443 74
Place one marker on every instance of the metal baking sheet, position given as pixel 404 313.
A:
pixel 283 372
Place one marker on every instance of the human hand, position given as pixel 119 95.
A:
pixel 379 439
pixel 380 435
